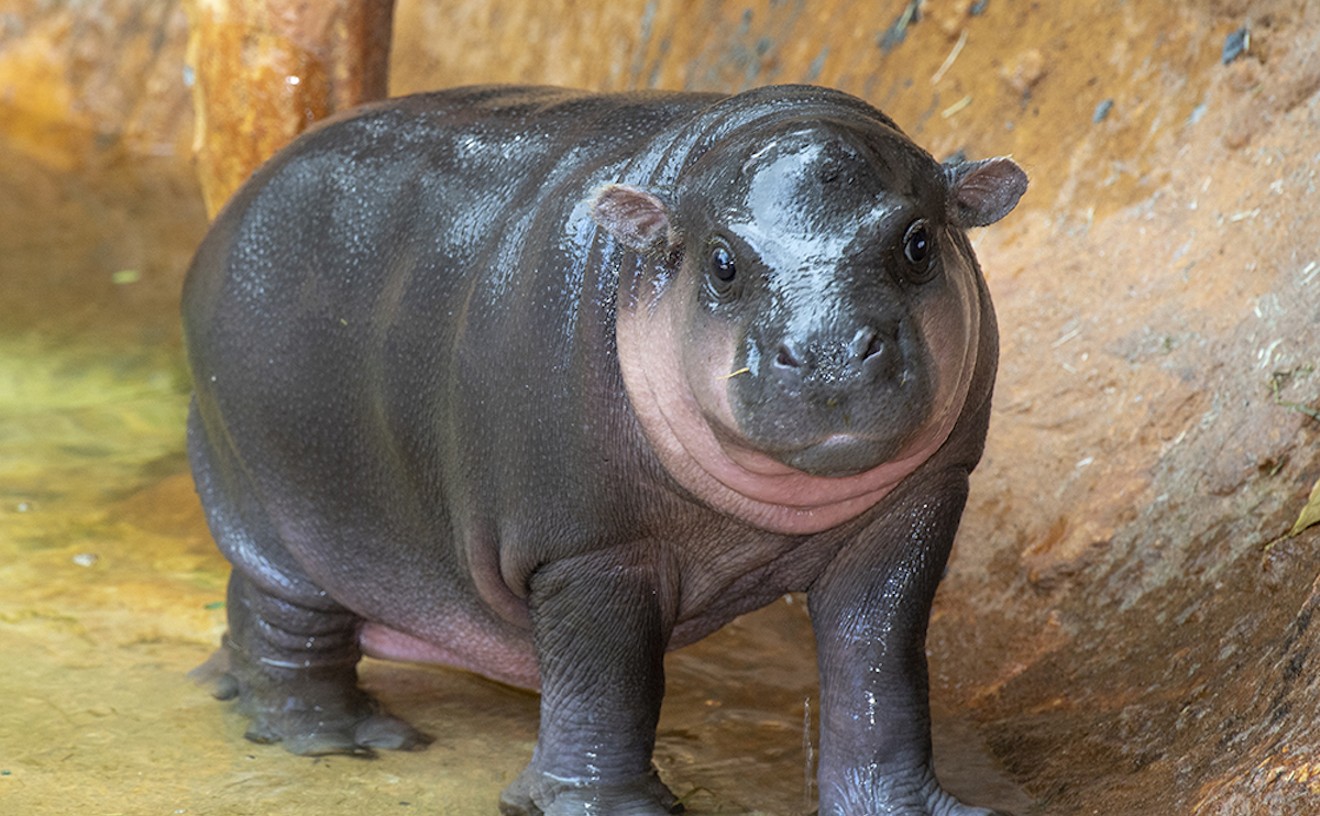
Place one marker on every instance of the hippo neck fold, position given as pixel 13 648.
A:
pixel 736 480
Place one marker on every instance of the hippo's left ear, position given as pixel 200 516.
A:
pixel 982 192
pixel 638 219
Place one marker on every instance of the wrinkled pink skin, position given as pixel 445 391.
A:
pixel 466 393
pixel 679 391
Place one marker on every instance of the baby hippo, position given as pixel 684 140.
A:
pixel 541 383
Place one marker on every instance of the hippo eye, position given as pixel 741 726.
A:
pixel 919 251
pixel 722 266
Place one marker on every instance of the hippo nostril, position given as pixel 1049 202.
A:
pixel 872 343
pixel 788 357
pixel 867 344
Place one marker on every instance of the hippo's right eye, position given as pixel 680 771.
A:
pixel 916 244
pixel 722 266
pixel 919 251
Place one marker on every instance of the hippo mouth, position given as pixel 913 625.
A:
pixel 837 455
pixel 840 455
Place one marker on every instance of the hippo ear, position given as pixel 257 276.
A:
pixel 982 192
pixel 638 219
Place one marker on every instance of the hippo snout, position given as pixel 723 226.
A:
pixel 836 400
pixel 871 357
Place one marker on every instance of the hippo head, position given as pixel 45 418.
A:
pixel 805 324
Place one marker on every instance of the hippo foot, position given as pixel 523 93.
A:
pixel 541 794
pixel 942 803
pixel 309 712
pixel 948 806
pixel 926 800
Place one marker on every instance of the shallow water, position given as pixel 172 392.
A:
pixel 111 591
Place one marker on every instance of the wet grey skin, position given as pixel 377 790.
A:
pixel 473 370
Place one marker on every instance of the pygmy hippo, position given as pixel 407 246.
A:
pixel 541 383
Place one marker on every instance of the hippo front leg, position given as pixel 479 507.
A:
pixel 601 631
pixel 870 611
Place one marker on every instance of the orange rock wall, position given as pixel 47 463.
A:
pixel 82 84
pixel 263 70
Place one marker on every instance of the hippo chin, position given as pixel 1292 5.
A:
pixel 540 383
pixel 839 455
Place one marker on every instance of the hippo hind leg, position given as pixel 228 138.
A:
pixel 293 672
pixel 290 655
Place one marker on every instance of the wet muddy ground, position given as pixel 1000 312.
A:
pixel 1124 628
